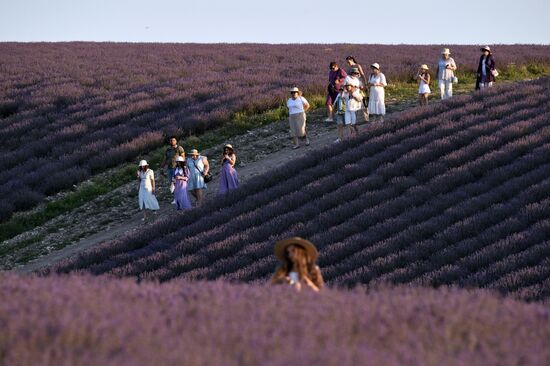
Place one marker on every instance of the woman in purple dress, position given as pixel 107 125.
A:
pixel 181 176
pixel 228 174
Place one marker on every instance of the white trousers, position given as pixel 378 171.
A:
pixel 485 85
pixel 350 118
pixel 446 88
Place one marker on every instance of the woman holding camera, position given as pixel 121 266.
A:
pixel 228 174
pixel 445 74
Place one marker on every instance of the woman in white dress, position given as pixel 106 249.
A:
pixel 377 82
pixel 446 67
pixel 424 79
pixel 146 196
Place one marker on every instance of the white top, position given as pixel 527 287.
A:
pixel 351 103
pixel 296 105
pixel 444 73
pixel 146 179
pixel 353 81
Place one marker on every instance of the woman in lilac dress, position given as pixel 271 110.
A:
pixel 228 175
pixel 181 176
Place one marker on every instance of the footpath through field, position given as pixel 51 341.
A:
pixel 258 151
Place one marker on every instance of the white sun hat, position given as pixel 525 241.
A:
pixel 295 89
pixel 375 65
pixel 445 51
pixel 143 163
pixel 179 158
pixel 424 67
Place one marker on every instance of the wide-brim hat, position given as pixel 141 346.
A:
pixel 485 48
pixel 194 152
pixel 281 245
pixel 445 51
pixel 354 70
pixel 143 163
pixel 424 67
pixel 295 89
pixel 179 158
pixel 228 146
pixel 375 66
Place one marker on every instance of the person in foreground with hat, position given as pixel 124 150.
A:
pixel 445 74
pixel 297 108
pixel 228 174
pixel 181 176
pixel 336 77
pixel 198 169
pixel 424 79
pixel 377 83
pixel 486 71
pixel 146 195
pixel 298 268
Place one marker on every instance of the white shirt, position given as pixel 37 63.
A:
pixel 351 103
pixel 296 105
pixel 444 73
pixel 353 81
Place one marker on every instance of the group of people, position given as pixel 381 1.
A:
pixel 352 91
pixel 187 175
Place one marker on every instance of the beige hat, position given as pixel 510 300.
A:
pixel 228 146
pixel 143 163
pixel 194 152
pixel 485 48
pixel 280 247
pixel 424 67
pixel 375 65
pixel 179 158
pixel 295 89
pixel 445 51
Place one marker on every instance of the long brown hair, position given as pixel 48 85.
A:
pixel 303 264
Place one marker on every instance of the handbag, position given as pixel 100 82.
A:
pixel 455 80
pixel 494 72
pixel 207 177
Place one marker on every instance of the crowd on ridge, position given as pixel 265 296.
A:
pixel 348 93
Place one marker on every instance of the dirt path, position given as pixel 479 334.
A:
pixel 116 213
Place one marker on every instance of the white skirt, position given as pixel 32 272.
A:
pixel 376 100
pixel 147 200
pixel 424 89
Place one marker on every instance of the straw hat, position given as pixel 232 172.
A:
pixel 228 146
pixel 179 158
pixel 424 67
pixel 375 65
pixel 194 152
pixel 295 89
pixel 281 245
pixel 143 163
pixel 445 51
pixel 485 48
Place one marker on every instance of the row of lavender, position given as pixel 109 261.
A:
pixel 69 110
pixel 75 320
pixel 452 194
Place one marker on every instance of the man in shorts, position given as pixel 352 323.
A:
pixel 336 79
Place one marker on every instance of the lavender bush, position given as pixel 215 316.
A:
pixel 453 194
pixel 84 107
pixel 103 321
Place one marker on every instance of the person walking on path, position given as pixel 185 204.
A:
pixel 486 71
pixel 424 79
pixel 228 174
pixel 297 108
pixel 146 195
pixel 169 162
pixel 339 108
pixel 336 77
pixel 446 67
pixel 377 83
pixel 181 176
pixel 298 268
pixel 198 169
pixel 353 99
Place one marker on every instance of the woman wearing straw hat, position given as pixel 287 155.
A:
pixel 486 71
pixel 377 83
pixel 181 176
pixel 228 174
pixel 297 108
pixel 198 169
pixel 146 195
pixel 424 79
pixel 445 73
pixel 298 268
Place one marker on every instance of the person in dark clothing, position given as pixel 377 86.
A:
pixel 486 71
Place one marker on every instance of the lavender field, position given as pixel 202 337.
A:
pixel 77 320
pixel 69 110
pixel 457 193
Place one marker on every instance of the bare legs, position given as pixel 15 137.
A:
pixel 423 99
pixel 198 194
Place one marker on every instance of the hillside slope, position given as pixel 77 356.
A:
pixel 456 193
